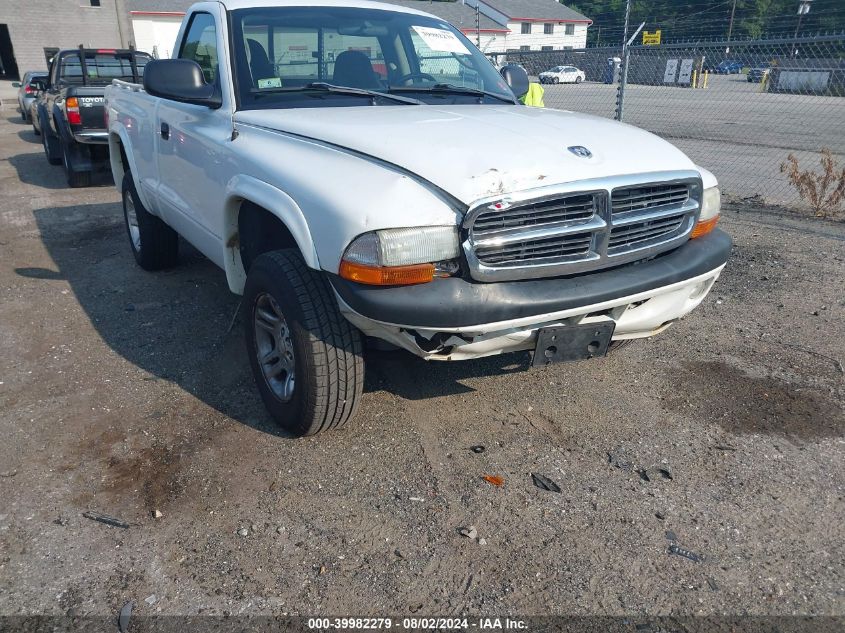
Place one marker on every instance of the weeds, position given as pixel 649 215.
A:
pixel 824 191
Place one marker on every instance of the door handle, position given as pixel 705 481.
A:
pixel 165 131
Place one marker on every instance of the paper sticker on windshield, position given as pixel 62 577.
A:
pixel 441 40
pixel 272 82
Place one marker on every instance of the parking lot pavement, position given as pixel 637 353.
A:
pixel 125 392
pixel 731 128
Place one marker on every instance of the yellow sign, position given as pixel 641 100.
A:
pixel 651 39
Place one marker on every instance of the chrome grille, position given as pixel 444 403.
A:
pixel 648 196
pixel 575 245
pixel 578 208
pixel 647 214
pixel 638 233
pixel 580 227
pixel 559 229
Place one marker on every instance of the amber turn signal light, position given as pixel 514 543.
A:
pixel 72 109
pixel 387 275
pixel 704 227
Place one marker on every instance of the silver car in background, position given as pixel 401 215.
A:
pixel 27 92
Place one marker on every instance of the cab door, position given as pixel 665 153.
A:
pixel 193 142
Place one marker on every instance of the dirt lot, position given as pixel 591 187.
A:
pixel 126 392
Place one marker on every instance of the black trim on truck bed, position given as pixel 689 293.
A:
pixel 454 302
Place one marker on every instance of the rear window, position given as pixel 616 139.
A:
pixel 102 67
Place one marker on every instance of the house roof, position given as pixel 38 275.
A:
pixel 459 15
pixel 538 10
pixel 456 13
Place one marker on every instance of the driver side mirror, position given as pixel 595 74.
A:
pixel 516 78
pixel 16 84
pixel 180 80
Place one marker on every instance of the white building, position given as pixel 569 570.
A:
pixel 499 26
pixel 536 25
pixel 155 24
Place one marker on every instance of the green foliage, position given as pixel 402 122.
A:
pixel 684 19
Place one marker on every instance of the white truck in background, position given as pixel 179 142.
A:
pixel 347 193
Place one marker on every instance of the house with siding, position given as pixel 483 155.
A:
pixel 536 25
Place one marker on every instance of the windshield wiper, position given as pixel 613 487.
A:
pixel 321 86
pixel 452 89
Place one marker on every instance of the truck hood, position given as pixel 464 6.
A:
pixel 476 151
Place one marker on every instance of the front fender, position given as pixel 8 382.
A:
pixel 242 188
pixel 119 136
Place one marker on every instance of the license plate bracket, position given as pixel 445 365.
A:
pixel 572 342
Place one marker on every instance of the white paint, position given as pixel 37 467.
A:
pixel 459 148
pixel 537 39
pixel 345 171
pixel 156 33
pixel 562 75
pixel 636 316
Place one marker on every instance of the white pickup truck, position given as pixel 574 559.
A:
pixel 360 170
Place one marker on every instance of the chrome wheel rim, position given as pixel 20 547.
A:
pixel 274 347
pixel 132 220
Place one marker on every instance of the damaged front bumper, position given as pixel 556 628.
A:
pixel 456 319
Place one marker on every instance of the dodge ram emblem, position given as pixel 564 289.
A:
pixel 580 151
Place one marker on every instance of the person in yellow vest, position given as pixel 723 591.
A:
pixel 534 96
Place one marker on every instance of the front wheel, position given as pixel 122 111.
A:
pixel 556 80
pixel 307 360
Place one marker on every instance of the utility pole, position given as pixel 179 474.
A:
pixel 477 26
pixel 627 17
pixel 731 28
pixel 623 79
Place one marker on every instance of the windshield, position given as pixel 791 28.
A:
pixel 283 54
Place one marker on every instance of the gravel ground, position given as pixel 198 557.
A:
pixel 126 393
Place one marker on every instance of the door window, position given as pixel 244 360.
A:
pixel 200 45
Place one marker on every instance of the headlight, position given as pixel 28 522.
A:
pixel 400 256
pixel 711 204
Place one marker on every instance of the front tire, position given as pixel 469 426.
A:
pixel 154 244
pixel 306 358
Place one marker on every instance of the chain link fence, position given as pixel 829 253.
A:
pixel 736 108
